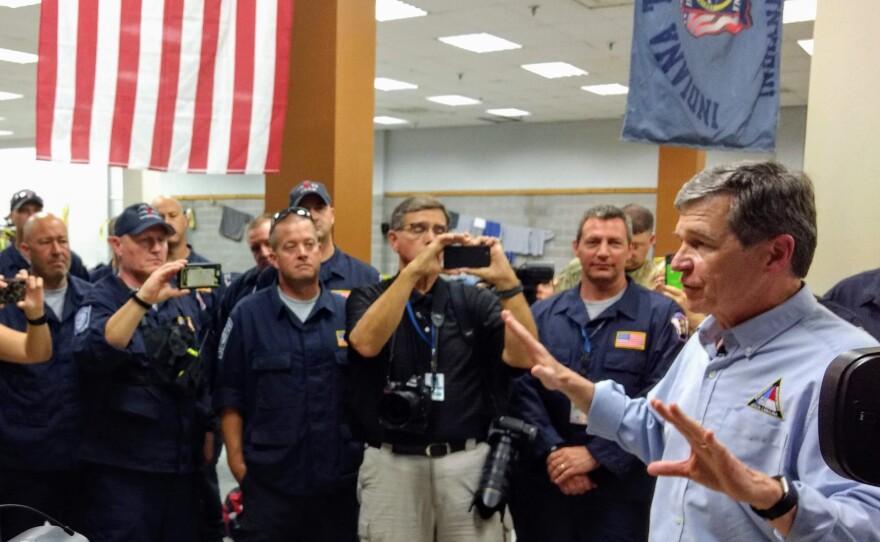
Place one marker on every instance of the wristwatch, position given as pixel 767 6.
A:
pixel 785 503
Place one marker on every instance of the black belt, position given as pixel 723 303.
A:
pixel 435 449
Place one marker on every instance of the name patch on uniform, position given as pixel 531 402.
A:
pixel 224 337
pixel 634 340
pixel 340 338
pixel 769 401
pixel 83 315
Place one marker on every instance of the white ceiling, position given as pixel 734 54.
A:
pixel 593 35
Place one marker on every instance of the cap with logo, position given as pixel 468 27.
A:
pixel 307 188
pixel 24 196
pixel 137 218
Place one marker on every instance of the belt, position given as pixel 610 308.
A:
pixel 434 449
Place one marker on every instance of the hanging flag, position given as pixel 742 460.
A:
pixel 194 86
pixel 705 73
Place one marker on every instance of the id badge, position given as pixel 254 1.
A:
pixel 435 380
pixel 577 416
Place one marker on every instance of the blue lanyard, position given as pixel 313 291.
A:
pixel 412 317
pixel 587 347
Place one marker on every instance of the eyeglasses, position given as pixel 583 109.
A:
pixel 419 229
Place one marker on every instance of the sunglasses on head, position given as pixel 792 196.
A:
pixel 298 211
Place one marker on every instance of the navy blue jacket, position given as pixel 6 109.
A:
pixel 340 273
pixel 860 294
pixel 12 261
pixel 285 378
pixel 40 404
pixel 562 321
pixel 127 423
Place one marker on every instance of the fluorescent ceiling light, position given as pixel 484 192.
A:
pixel 18 57
pixel 18 3
pixel 388 120
pixel 480 43
pixel 391 10
pixel 807 45
pixel 453 99
pixel 8 95
pixel 552 70
pixel 606 90
pixel 5 132
pixel 796 11
pixel 384 83
pixel 508 112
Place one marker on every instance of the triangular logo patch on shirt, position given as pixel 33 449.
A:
pixel 769 401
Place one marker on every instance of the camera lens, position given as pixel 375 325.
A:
pixel 397 408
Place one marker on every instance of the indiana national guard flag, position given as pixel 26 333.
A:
pixel 705 73
pixel 172 85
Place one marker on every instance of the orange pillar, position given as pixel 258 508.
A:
pixel 328 134
pixel 677 165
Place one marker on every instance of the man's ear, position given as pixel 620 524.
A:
pixel 26 250
pixel 780 251
pixel 392 239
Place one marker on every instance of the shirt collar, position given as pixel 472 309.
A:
pixel 280 309
pixel 573 306
pixel 750 336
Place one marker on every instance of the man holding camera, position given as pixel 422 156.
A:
pixel 144 403
pixel 577 487
pixel 423 354
pixel 732 428
pixel 40 425
pixel 280 395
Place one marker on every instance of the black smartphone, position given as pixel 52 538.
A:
pixel 458 256
pixel 200 275
pixel 14 292
pixel 673 278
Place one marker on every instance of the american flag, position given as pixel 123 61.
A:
pixel 630 339
pixel 170 85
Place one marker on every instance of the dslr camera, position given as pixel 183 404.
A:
pixel 507 438
pixel 404 406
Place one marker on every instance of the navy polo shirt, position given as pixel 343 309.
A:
pixel 138 426
pixel 285 377
pixel 860 294
pixel 40 403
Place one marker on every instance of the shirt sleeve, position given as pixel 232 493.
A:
pixel 231 359
pixel 90 347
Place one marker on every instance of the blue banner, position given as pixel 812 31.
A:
pixel 705 74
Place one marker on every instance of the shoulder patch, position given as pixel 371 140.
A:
pixel 769 401
pixel 227 329
pixel 83 316
pixel 680 323
pixel 340 338
pixel 342 293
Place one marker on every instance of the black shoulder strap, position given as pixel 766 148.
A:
pixel 462 316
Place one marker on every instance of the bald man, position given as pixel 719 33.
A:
pixel 40 425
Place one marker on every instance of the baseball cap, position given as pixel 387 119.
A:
pixel 306 188
pixel 24 196
pixel 137 218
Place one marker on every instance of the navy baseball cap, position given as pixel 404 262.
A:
pixel 137 218
pixel 306 188
pixel 24 196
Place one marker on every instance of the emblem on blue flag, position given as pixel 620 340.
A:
pixel 769 400
pixel 702 17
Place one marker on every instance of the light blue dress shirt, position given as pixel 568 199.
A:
pixel 761 400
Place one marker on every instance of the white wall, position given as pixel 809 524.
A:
pixel 82 188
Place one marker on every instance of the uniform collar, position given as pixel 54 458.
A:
pixel 324 302
pixel 572 305
pixel 750 336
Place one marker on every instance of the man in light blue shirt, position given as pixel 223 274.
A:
pixel 732 428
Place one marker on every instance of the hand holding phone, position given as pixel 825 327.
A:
pixel 14 291
pixel 673 278
pixel 199 275
pixel 459 256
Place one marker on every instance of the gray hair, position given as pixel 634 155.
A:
pixel 642 219
pixel 766 200
pixel 606 212
pixel 414 204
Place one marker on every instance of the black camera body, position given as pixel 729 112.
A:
pixel 530 275
pixel 507 438
pixel 404 406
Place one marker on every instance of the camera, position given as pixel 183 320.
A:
pixel 404 406
pixel 507 437
pixel 531 274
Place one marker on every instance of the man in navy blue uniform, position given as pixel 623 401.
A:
pixel 860 294
pixel 339 271
pixel 576 487
pixel 24 203
pixel 144 407
pixel 280 395
pixel 39 403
